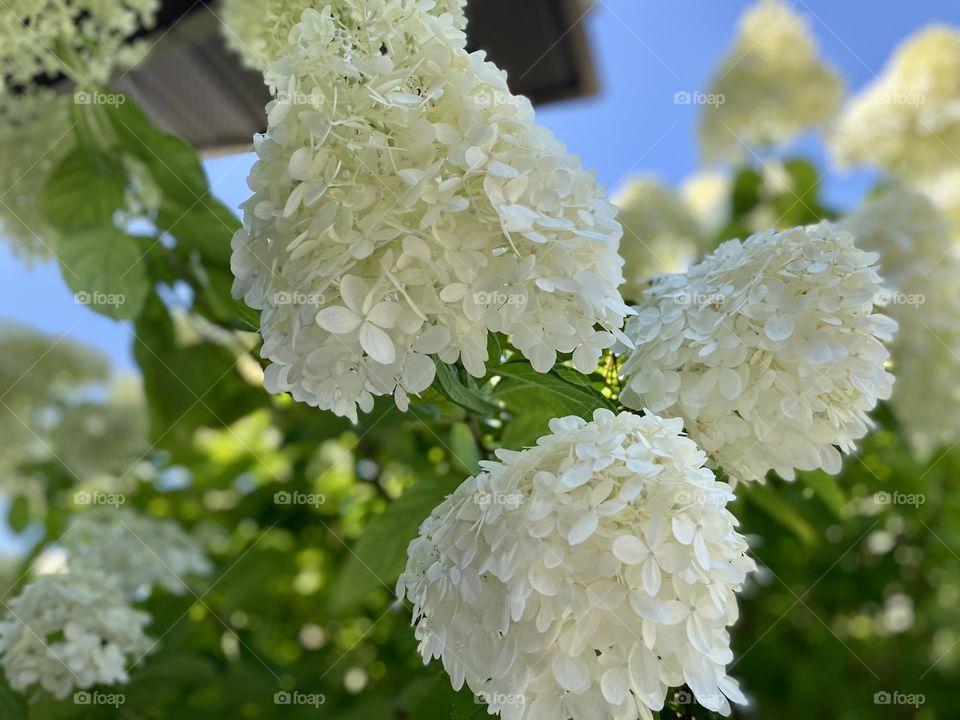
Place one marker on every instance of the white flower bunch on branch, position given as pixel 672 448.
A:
pixel 72 630
pixel 769 349
pixel 406 204
pixel 584 577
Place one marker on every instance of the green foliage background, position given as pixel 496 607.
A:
pixel 302 596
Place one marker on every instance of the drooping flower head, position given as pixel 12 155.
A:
pixel 258 30
pixel 769 349
pixel 585 576
pixel 406 204
pixel 140 551
pixel 771 87
pixel 68 631
pixel 907 120
pixel 920 264
pixel 660 234
pixel 84 39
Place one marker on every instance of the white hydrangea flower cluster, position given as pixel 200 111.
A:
pixel 142 552
pixel 73 630
pixel 771 86
pixel 85 39
pixel 258 30
pixel 908 119
pixel 920 264
pixel 769 349
pixel 34 137
pixel 660 234
pixel 584 577
pixel 406 204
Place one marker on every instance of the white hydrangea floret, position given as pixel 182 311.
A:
pixel 660 234
pixel 70 631
pixel 84 39
pixel 908 119
pixel 769 349
pixel 920 264
pixel 583 577
pixel 140 551
pixel 404 205
pixel 771 86
pixel 258 30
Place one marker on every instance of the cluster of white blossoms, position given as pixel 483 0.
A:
pixel 258 30
pixel 660 234
pixel 142 552
pixel 84 39
pixel 72 630
pixel 584 577
pixel 77 628
pixel 908 119
pixel 920 264
pixel 769 349
pixel 35 135
pixel 771 86
pixel 404 205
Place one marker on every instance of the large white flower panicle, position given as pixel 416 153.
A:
pixel 406 204
pixel 920 264
pixel 84 39
pixel 68 631
pixel 908 119
pixel 140 551
pixel 660 233
pixel 584 577
pixel 258 30
pixel 769 349
pixel 771 87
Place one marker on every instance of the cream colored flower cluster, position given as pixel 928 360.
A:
pixel 77 628
pixel 908 119
pixel 584 577
pixel 771 86
pixel 660 234
pixel 921 265
pixel 258 30
pixel 83 39
pixel 141 551
pixel 769 349
pixel 404 205
pixel 73 630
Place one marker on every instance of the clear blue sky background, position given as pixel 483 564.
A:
pixel 645 50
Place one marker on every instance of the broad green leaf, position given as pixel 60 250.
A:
pixel 450 385
pixel 12 704
pixel 380 555
pixel 464 448
pixel 826 488
pixel 79 196
pixel 106 270
pixel 19 515
pixel 466 706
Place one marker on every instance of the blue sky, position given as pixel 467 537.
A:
pixel 645 50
